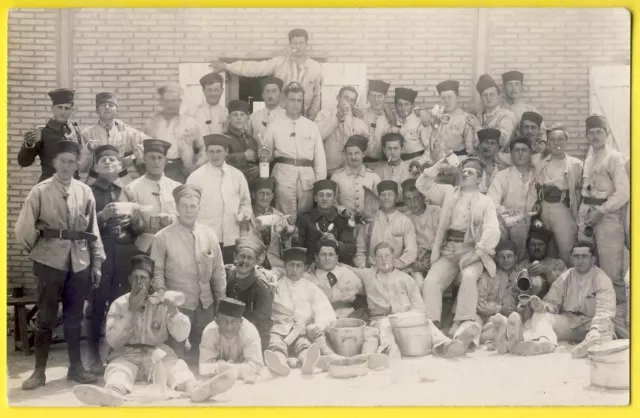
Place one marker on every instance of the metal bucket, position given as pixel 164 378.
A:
pixel 346 336
pixel 610 365
pixel 411 331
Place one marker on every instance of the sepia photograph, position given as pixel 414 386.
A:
pixel 318 207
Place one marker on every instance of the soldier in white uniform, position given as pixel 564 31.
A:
pixel 377 117
pixel 261 119
pixel 212 115
pixel 513 85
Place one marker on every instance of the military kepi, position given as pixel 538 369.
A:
pixel 238 106
pixel 406 94
pixel 62 96
pixel 387 185
pixel 294 254
pixel 485 82
pixel 325 184
pixel 106 97
pixel 271 80
pixel 532 117
pixel 357 141
pixel 216 139
pixel 251 243
pixel 187 190
pixel 596 121
pixel 448 85
pixel 70 147
pixel 103 150
pixel 512 76
pixel 231 307
pixel 210 78
pixel 156 145
pixel 379 86
pixel 142 262
pixel 488 133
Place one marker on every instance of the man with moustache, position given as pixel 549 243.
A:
pixel 297 154
pixel 408 124
pixel 181 131
pixel 390 226
pixel 538 263
pixel 378 119
pixel 605 193
pixel 261 119
pixel 338 125
pixel 492 115
pixel 513 85
pixel 114 132
pixel 354 176
pixel 468 232
pixel 154 192
pixel 41 141
pixel 188 259
pixel 243 148
pixel 325 221
pixel 211 115
pixel 249 285
pixel 513 191
pixel 558 179
pixel 296 67
pixel 58 226
pixel 118 238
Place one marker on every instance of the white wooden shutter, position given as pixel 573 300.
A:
pixel 190 75
pixel 610 96
pixel 337 75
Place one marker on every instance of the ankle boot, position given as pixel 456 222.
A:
pixel 42 340
pixel 77 373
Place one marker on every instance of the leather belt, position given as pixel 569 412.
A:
pixel 412 155
pixel 298 162
pixel 552 194
pixel 65 234
pixel 461 153
pixel 593 201
pixel 455 235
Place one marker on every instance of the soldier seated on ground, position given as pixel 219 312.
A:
pixel 137 331
pixel 346 294
pixel 579 307
pixel 390 291
pixel 231 343
pixel 301 314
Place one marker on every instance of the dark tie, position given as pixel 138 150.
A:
pixel 332 279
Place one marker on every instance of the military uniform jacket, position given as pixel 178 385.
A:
pixel 312 225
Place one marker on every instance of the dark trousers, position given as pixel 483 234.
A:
pixel 199 319
pixel 228 253
pixel 53 286
pixel 114 283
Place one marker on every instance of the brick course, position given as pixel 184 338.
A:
pixel 130 51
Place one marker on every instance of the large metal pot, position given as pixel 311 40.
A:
pixel 346 336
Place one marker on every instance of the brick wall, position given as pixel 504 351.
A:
pixel 554 48
pixel 31 73
pixel 131 51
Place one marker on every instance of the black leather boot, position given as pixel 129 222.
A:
pixel 42 340
pixel 77 372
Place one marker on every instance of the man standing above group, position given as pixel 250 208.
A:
pixel 492 115
pixel 211 115
pixel 324 220
pixel 261 119
pixel 188 259
pixel 338 125
pixel 354 176
pixel 41 141
pixel 377 117
pixel 181 131
pixel 295 67
pixel 558 178
pixel 58 226
pixel 154 191
pixel 297 153
pixel 226 202
pixel 513 85
pixel 111 131
pixel 605 192
pixel 243 148
pixel 513 191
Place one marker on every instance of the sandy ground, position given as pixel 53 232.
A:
pixel 480 378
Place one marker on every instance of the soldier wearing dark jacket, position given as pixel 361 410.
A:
pixel 243 148
pixel 324 221
pixel 41 142
pixel 249 284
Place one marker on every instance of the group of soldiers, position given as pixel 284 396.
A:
pixel 222 240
